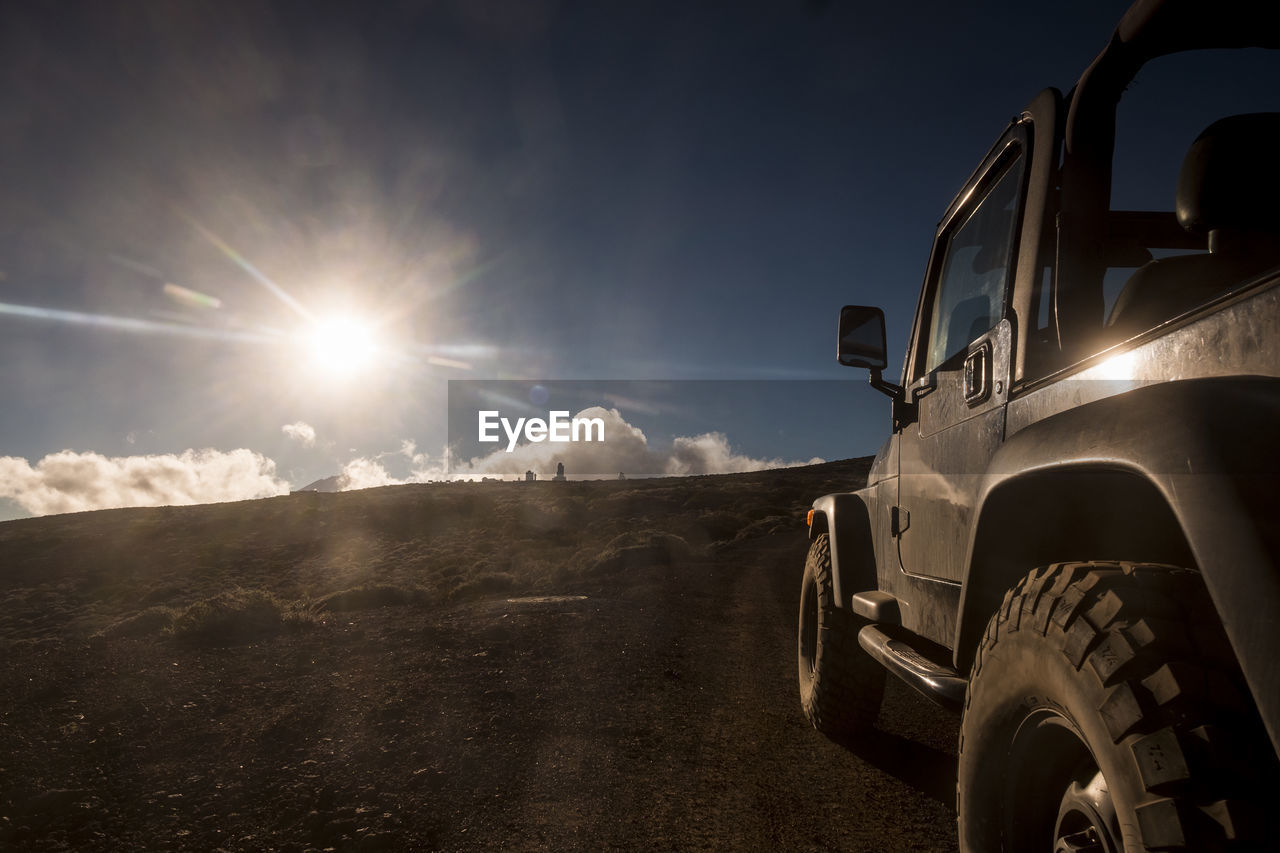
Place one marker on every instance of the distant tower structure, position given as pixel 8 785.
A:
pixel 559 472
pixel 529 476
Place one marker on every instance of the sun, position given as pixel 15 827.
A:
pixel 340 345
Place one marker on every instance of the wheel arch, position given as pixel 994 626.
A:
pixel 1178 472
pixel 846 518
pixel 1102 513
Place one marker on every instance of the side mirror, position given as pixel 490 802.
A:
pixel 861 342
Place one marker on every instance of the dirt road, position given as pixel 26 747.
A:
pixel 686 723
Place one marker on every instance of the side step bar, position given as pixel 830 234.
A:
pixel 940 683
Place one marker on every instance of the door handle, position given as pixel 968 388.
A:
pixel 977 374
pixel 924 386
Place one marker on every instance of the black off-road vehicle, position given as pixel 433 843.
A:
pixel 1073 533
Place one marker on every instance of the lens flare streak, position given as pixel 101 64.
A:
pixel 128 324
pixel 192 298
pixel 244 264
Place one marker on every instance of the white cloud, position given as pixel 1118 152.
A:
pixel 69 481
pixel 625 449
pixel 300 431
pixel 710 453
pixel 366 474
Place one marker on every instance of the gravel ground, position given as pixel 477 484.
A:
pixel 653 708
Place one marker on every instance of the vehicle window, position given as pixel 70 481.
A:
pixel 1174 98
pixel 969 298
pixel 1169 104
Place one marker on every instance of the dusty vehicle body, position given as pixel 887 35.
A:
pixel 1073 532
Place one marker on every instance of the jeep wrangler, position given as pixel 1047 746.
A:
pixel 1072 535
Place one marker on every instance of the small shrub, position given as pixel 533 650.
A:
pixel 770 526
pixel 710 526
pixel 764 536
pixel 720 524
pixel 236 616
pixel 153 620
pixel 638 549
pixel 367 597
pixel 648 538
pixel 481 585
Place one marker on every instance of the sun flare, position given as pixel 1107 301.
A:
pixel 340 346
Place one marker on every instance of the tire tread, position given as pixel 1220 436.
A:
pixel 1147 634
pixel 847 684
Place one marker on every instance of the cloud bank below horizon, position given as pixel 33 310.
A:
pixel 626 450
pixel 71 481
pixel 75 481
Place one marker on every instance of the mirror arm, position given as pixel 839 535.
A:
pixel 904 411
pixel 894 391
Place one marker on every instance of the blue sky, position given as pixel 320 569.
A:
pixel 492 190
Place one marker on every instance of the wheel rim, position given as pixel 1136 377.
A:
pixel 1056 796
pixel 1086 818
pixel 809 628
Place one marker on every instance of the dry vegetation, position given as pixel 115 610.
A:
pixel 362 671
pixel 280 562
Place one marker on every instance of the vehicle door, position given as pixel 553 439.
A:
pixel 958 366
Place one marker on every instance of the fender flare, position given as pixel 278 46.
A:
pixel 847 519
pixel 1207 448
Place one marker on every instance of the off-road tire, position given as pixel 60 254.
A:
pixel 841 686
pixel 1122 669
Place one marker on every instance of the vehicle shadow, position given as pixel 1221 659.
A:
pixel 930 771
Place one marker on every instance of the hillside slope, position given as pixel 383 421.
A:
pixel 604 665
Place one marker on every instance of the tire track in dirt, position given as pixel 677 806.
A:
pixel 805 792
pixel 666 719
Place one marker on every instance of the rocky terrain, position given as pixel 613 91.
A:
pixel 519 666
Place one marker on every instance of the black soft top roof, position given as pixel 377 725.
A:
pixel 1156 27
pixel 1153 28
pixel 1150 29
